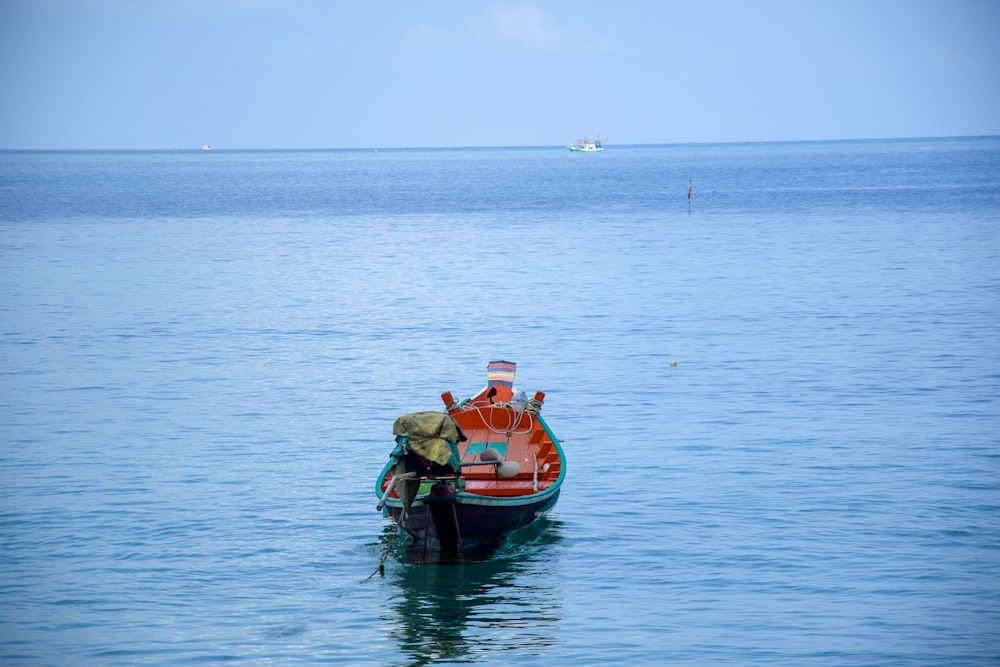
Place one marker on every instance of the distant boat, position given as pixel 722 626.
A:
pixel 460 481
pixel 585 145
pixel 206 147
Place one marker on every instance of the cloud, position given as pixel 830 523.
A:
pixel 521 24
pixel 302 50
pixel 425 34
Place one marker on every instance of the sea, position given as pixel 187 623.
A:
pixel 774 367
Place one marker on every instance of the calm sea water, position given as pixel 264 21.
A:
pixel 201 356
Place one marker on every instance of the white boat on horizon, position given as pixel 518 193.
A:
pixel 586 145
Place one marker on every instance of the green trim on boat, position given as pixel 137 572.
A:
pixel 476 448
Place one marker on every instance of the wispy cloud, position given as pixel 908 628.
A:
pixel 425 34
pixel 302 50
pixel 522 24
pixel 510 26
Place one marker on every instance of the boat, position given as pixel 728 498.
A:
pixel 586 145
pixel 205 147
pixel 460 481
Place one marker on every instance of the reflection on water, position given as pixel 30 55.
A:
pixel 450 611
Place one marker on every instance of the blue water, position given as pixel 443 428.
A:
pixel 201 356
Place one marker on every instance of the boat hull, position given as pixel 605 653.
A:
pixel 467 525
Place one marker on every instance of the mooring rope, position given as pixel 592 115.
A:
pixel 388 550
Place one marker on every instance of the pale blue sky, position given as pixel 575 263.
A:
pixel 381 73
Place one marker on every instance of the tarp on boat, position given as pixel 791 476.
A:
pixel 432 435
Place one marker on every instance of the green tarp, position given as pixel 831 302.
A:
pixel 432 435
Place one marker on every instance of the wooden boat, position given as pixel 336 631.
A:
pixel 460 481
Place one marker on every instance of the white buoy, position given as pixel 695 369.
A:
pixel 509 469
pixel 489 455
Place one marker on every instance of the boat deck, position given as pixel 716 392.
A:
pixel 528 444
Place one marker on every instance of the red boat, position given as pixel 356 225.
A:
pixel 460 481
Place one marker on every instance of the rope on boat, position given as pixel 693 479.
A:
pixel 388 550
pixel 517 414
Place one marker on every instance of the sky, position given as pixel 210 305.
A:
pixel 243 74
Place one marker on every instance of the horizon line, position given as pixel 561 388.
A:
pixel 197 147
